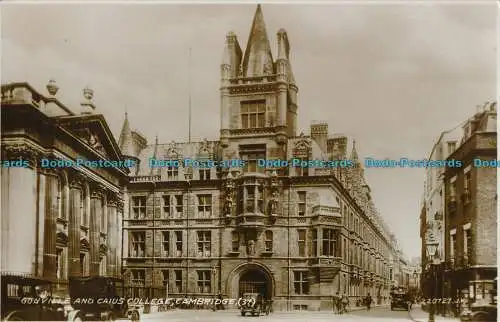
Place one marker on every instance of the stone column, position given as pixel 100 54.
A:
pixel 51 210
pixel 122 240
pixel 19 210
pixel 94 235
pixel 282 104
pixel 75 206
pixel 112 236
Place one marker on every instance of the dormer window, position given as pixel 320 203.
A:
pixel 253 114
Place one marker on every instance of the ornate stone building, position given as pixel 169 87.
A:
pixel 471 211
pixel 296 235
pixel 62 220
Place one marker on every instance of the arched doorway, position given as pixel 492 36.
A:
pixel 255 281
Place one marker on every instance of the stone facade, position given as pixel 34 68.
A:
pixel 58 221
pixel 296 235
pixel 471 210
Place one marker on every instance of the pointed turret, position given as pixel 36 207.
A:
pixel 125 142
pixel 258 59
pixel 155 156
pixel 354 153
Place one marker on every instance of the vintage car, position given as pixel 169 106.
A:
pixel 484 309
pixel 255 304
pixel 99 298
pixel 26 298
pixel 399 299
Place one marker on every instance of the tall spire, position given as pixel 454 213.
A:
pixel 354 153
pixel 155 154
pixel 258 58
pixel 125 141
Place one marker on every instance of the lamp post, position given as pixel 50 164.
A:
pixel 432 246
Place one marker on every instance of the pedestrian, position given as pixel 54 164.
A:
pixel 345 303
pixel 336 302
pixel 368 301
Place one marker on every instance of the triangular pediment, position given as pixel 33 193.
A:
pixel 93 132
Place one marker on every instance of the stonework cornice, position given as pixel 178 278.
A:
pixel 21 151
pixel 97 191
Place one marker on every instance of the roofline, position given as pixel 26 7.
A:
pixel 443 134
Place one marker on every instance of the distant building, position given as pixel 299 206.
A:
pixel 58 221
pixel 295 234
pixel 471 209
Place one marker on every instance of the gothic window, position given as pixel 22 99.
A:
pixel 138 239
pixel 139 207
pixel 165 244
pixel 268 242
pixel 253 114
pixel 302 242
pixel 260 198
pixel 301 282
pixel 172 173
pixel 204 206
pixel 204 243
pixel 204 282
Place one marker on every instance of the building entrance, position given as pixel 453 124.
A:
pixel 255 281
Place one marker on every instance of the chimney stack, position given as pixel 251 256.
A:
pixel 319 133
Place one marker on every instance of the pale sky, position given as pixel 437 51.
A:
pixel 391 76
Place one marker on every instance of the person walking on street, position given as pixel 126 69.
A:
pixel 345 303
pixel 368 302
pixel 336 302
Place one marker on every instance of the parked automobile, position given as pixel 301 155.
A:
pixel 255 304
pixel 99 298
pixel 399 299
pixel 484 309
pixel 25 298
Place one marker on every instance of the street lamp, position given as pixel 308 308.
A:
pixel 432 246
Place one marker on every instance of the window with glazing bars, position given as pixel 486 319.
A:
pixel 204 206
pixel 302 203
pixel 178 243
pixel 165 244
pixel 302 242
pixel 204 282
pixel 301 282
pixel 139 207
pixel 178 281
pixel 235 241
pixel 329 242
pixel 269 241
pixel 204 243
pixel 138 243
pixel 253 114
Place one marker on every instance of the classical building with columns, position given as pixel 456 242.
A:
pixel 64 220
pixel 297 235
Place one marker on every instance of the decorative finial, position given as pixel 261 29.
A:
pixel 52 87
pixel 88 93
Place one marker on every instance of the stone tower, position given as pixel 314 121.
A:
pixel 258 93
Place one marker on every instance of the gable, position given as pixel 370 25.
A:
pixel 93 131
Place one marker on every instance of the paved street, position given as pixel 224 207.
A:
pixel 381 314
